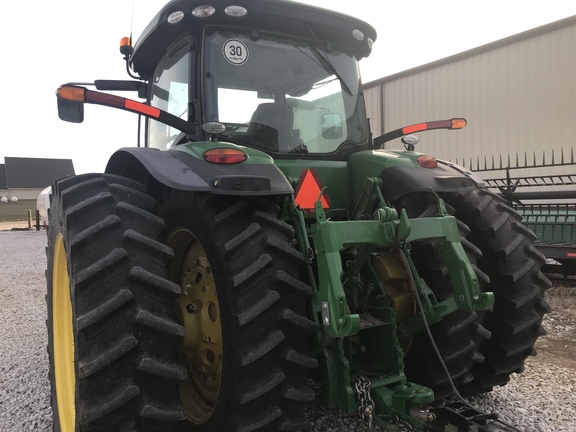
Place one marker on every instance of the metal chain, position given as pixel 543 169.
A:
pixel 366 408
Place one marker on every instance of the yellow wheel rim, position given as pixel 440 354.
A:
pixel 393 271
pixel 64 371
pixel 199 311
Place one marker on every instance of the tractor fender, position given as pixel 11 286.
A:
pixel 183 171
pixel 399 181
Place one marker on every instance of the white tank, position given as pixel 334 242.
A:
pixel 43 204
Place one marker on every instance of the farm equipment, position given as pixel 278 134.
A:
pixel 543 190
pixel 260 238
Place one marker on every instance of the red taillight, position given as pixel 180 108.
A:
pixel 427 161
pixel 225 156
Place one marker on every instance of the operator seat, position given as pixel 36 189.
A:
pixel 271 127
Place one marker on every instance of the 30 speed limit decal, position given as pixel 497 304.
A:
pixel 235 51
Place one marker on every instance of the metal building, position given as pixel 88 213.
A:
pixel 518 95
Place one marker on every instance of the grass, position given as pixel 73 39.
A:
pixel 562 297
pixel 17 211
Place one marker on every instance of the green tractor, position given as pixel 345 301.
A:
pixel 260 239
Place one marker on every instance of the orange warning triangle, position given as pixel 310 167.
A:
pixel 309 191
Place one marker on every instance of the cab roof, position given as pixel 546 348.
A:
pixel 279 16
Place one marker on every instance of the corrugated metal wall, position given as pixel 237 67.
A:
pixel 518 95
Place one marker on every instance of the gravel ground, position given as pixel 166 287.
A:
pixel 542 399
pixel 24 387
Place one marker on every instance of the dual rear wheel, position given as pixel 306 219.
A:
pixel 179 312
pixel 481 349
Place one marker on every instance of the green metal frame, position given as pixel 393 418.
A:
pixel 322 241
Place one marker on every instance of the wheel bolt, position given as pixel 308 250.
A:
pixel 191 308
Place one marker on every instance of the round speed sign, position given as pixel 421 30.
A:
pixel 235 51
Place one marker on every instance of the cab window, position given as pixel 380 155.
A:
pixel 169 92
pixel 282 95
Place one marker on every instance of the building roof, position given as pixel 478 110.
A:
pixel 3 177
pixel 34 173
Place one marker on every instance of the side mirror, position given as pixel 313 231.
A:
pixel 70 111
pixel 331 126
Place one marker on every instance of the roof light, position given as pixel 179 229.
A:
pixel 203 11
pixel 426 161
pixel 175 17
pixel 358 35
pixel 410 141
pixel 225 156
pixel 214 127
pixel 235 11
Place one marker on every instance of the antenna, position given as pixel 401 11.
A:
pixel 132 21
pixel 126 48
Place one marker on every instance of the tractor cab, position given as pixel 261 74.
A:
pixel 275 76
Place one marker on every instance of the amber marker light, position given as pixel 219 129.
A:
pixel 72 93
pixel 126 46
pixel 458 123
pixel 426 161
pixel 225 156
pixel 125 42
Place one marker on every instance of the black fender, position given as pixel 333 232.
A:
pixel 400 181
pixel 180 170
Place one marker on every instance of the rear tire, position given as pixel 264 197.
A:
pixel 514 268
pixel 458 335
pixel 112 332
pixel 241 292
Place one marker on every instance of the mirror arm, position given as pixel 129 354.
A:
pixel 71 99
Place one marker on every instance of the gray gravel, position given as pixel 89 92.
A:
pixel 540 400
pixel 24 387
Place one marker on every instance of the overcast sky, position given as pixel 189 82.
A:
pixel 47 43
